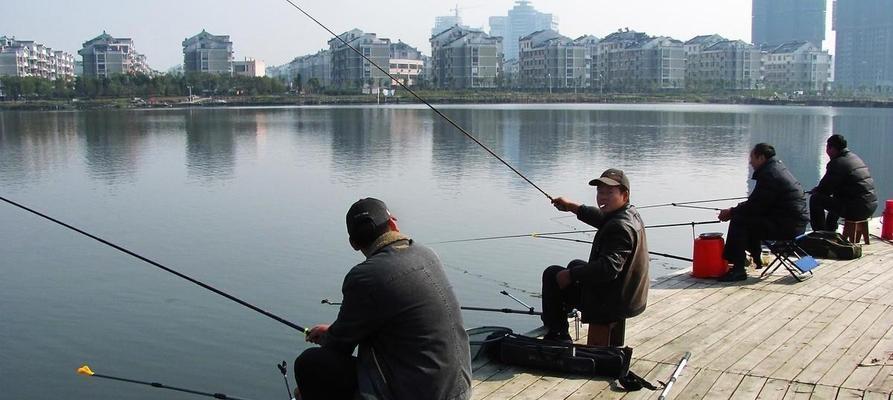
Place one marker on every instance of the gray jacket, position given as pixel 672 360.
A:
pixel 401 311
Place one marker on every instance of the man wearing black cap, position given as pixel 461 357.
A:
pixel 613 285
pixel 399 310
pixel 774 210
pixel 846 190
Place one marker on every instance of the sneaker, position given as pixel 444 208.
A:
pixel 735 275
pixel 563 337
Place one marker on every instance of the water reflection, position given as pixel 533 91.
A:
pixel 869 133
pixel 211 140
pixel 33 145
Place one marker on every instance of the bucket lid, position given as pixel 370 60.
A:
pixel 711 235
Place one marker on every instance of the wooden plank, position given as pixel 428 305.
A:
pixel 687 302
pixel 875 396
pixel 883 382
pixel 670 329
pixel 836 349
pixel 724 386
pixel 829 333
pixel 699 385
pixel 749 388
pixel 564 388
pixel 799 391
pixel 493 383
pixel 539 388
pixel 706 335
pixel 801 339
pixel 846 370
pixel 661 372
pixel 774 389
pixel 782 334
pixel 513 386
pixel 741 342
pixel 821 392
pixel 847 394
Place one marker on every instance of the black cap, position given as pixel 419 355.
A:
pixel 611 177
pixel 366 216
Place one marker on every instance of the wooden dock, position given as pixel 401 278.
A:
pixel 830 337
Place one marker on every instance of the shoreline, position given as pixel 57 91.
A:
pixel 434 97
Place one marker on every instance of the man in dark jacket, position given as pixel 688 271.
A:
pixel 774 210
pixel 613 285
pixel 400 310
pixel 846 190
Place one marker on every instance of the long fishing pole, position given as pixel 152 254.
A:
pixel 86 371
pixel 585 242
pixel 499 310
pixel 419 98
pixel 696 207
pixel 690 202
pixel 162 267
pixel 537 234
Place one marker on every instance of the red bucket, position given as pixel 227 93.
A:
pixel 887 227
pixel 708 261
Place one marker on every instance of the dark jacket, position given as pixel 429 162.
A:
pixel 614 282
pixel 400 309
pixel 847 179
pixel 777 196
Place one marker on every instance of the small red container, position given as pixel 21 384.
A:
pixel 708 261
pixel 887 227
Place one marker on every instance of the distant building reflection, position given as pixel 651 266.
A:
pixel 211 136
pixel 113 142
pixel 799 140
pixel 34 144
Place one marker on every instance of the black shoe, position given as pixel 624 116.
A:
pixel 563 337
pixel 735 275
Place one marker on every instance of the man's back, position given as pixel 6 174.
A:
pixel 401 310
pixel 848 179
pixel 777 194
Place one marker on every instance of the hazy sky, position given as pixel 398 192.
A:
pixel 273 31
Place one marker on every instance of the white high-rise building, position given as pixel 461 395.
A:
pixel 521 21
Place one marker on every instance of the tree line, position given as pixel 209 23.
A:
pixel 126 85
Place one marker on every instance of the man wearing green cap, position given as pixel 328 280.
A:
pixel 613 284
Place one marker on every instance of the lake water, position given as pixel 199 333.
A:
pixel 252 200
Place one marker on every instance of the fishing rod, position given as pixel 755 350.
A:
pixel 284 371
pixel 419 98
pixel 535 234
pixel 86 371
pixel 162 267
pixel 696 207
pixel 499 310
pixel 678 371
pixel 690 202
pixel 585 242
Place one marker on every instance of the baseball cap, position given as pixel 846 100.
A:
pixel 366 216
pixel 611 177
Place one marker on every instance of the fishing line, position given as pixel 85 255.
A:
pixel 585 242
pixel 419 98
pixel 536 234
pixel 690 202
pixel 86 371
pixel 696 207
pixel 529 311
pixel 162 267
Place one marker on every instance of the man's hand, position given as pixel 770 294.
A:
pixel 725 215
pixel 316 333
pixel 566 205
pixel 564 278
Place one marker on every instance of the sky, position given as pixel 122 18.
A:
pixel 275 32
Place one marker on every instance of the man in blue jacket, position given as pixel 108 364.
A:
pixel 846 190
pixel 775 209
pixel 399 312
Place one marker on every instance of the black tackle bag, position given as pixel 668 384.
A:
pixel 829 245
pixel 507 347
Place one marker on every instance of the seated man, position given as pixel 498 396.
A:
pixel 774 210
pixel 613 285
pixel 846 190
pixel 399 308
